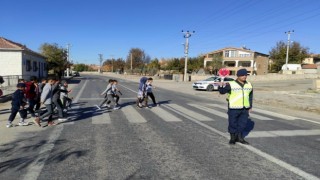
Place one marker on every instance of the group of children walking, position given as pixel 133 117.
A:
pixel 53 94
pixel 30 95
pixel 112 92
pixel 144 92
pixel 110 95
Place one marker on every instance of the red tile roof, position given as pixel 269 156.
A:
pixel 8 44
pixel 309 66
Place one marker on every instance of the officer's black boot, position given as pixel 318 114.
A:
pixel 232 138
pixel 240 139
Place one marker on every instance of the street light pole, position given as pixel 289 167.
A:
pixel 100 59
pixel 68 59
pixel 288 46
pixel 187 34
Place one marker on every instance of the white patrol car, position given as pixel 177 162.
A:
pixel 210 84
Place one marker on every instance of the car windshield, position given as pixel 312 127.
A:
pixel 211 79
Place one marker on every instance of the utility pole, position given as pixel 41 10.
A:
pixel 68 59
pixel 288 46
pixel 112 62
pixel 101 59
pixel 186 35
pixel 131 61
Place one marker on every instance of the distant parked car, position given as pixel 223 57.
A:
pixel 210 84
pixel 76 74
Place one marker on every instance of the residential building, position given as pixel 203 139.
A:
pixel 18 60
pixel 237 58
pixel 313 59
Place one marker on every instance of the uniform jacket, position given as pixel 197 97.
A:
pixel 227 89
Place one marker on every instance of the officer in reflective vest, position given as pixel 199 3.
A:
pixel 240 93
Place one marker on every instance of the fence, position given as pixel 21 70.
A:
pixel 10 83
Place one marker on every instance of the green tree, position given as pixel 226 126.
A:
pixel 138 58
pixel 297 54
pixel 56 58
pixel 81 67
pixel 153 67
pixel 215 64
pixel 175 64
pixel 118 64
pixel 195 63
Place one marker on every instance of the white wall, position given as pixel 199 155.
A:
pixel 10 63
pixel 14 63
pixel 40 72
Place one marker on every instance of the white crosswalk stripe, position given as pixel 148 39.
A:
pixel 103 118
pixel 133 115
pixel 165 115
pixel 187 113
pixel 257 134
pixel 282 116
pixel 210 110
pixel 255 116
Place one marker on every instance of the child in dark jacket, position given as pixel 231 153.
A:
pixel 18 103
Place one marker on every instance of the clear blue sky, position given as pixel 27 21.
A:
pixel 113 27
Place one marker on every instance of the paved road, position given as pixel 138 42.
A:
pixel 184 138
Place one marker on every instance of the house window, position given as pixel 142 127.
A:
pixel 230 53
pixel 28 65
pixel 244 64
pixel 35 67
pixel 226 54
pixel 230 64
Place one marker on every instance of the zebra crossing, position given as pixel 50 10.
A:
pixel 179 113
pixel 174 113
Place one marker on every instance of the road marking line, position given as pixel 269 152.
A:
pixel 258 134
pixel 190 113
pixel 103 118
pixel 128 88
pixel 76 99
pixel 132 115
pixel 276 114
pixel 210 110
pixel 95 99
pixel 80 92
pixel 268 157
pixel 263 118
pixel 182 113
pixel 35 168
pixel 262 112
pixel 165 115
pixel 311 121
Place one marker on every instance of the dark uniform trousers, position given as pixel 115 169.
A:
pixel 238 119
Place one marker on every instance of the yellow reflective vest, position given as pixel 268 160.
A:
pixel 239 96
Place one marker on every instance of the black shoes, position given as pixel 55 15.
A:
pixel 237 138
pixel 240 139
pixel 232 138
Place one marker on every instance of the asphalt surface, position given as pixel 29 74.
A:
pixel 184 138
